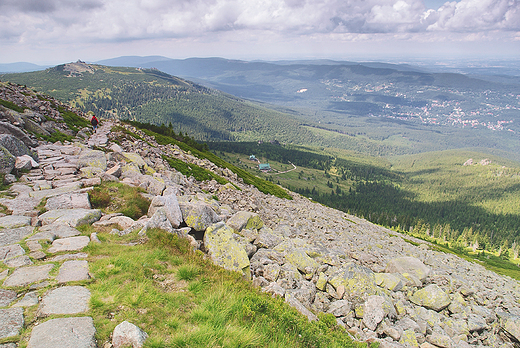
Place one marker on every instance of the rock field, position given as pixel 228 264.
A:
pixel 381 286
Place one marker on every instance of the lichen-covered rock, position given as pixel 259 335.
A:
pixel 224 250
pixel 389 281
pixel 7 161
pixel 15 146
pixel 267 238
pixel 409 339
pixel 135 158
pixel 510 324
pixel 245 220
pixel 198 215
pixel 358 282
pixel 302 261
pixel 431 297
pixel 92 158
pixel 409 265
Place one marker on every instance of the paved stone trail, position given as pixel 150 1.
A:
pixel 31 279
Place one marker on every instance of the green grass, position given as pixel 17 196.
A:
pixel 190 169
pixel 11 105
pixel 114 197
pixel 181 299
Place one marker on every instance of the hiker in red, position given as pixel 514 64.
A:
pixel 94 122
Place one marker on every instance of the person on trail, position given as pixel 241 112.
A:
pixel 94 122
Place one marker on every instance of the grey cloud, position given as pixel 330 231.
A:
pixel 47 6
pixel 122 20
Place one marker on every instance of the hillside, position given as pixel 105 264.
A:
pixel 119 241
pixel 372 108
pixel 148 95
pixel 456 196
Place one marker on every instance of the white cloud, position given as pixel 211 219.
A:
pixel 91 21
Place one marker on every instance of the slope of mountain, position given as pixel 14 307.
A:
pixel 388 109
pixel 372 108
pixel 149 95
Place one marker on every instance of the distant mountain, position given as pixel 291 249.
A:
pixel 20 67
pixel 152 96
pixel 372 108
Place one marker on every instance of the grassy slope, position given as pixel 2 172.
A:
pixel 157 98
pixel 182 300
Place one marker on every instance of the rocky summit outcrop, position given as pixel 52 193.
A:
pixel 377 285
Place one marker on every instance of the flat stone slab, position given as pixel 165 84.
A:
pixel 68 201
pixel 14 235
pixel 65 300
pixel 26 275
pixel 73 271
pixel 60 230
pixel 18 261
pixel 11 322
pixel 59 258
pixel 64 332
pixel 10 251
pixel 6 297
pixel 14 221
pixel 30 299
pixel 71 217
pixel 20 204
pixel 69 244
pixel 55 192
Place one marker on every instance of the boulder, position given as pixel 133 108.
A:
pixel 302 261
pixel 158 220
pixel 293 302
pixel 409 265
pixel 510 324
pixel 9 129
pixel 357 282
pixel 25 162
pixel 340 308
pixel 266 238
pixel 7 161
pixel 198 215
pixel 245 220
pixel 431 297
pixel 92 158
pixel 127 334
pixel 224 250
pixel 389 281
pixel 373 312
pixel 171 207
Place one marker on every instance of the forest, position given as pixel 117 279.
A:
pixel 431 195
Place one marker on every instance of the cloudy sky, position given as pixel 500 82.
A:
pixel 58 31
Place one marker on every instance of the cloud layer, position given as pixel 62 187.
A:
pixel 139 19
pixel 118 21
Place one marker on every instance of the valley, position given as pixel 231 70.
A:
pixel 382 141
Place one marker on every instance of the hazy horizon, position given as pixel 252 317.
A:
pixel 49 32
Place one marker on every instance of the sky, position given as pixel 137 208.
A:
pixel 50 32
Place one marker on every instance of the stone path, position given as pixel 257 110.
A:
pixel 31 279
